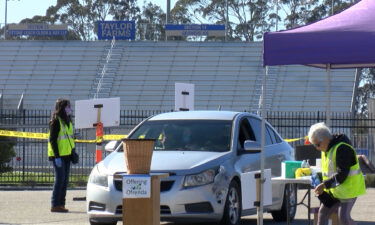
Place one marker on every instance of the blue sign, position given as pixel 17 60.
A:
pixel 38 29
pixel 195 29
pixel 121 30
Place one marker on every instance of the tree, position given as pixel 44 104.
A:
pixel 365 90
pixel 297 12
pixel 150 23
pixel 248 19
pixel 6 153
pixel 82 15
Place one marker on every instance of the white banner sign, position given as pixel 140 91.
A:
pixel 136 186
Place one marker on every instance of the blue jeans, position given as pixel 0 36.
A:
pixel 61 183
pixel 344 208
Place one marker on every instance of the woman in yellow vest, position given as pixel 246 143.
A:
pixel 342 176
pixel 60 147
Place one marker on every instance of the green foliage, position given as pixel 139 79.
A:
pixel 6 153
pixel 247 20
pixel 33 179
pixel 365 91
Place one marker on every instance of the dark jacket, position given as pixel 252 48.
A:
pixel 345 158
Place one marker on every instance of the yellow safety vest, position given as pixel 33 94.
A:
pixel 354 184
pixel 65 141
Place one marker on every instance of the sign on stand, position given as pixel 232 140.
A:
pixel 249 189
pixel 136 186
pixel 86 113
pixel 184 97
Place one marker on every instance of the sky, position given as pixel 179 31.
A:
pixel 21 9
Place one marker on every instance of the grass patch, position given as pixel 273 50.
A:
pixel 38 178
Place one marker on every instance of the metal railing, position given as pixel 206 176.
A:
pixel 30 166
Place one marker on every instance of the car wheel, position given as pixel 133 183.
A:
pixel 281 215
pixel 232 208
pixel 102 223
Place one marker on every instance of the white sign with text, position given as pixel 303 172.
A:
pixel 136 186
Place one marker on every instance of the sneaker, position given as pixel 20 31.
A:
pixel 60 209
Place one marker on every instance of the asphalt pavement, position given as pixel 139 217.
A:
pixel 32 207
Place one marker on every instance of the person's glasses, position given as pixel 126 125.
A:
pixel 317 145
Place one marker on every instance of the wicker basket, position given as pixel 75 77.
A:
pixel 138 155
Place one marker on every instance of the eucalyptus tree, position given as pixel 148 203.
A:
pixel 301 12
pixel 150 23
pixel 82 15
pixel 246 20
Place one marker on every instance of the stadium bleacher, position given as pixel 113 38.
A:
pixel 143 75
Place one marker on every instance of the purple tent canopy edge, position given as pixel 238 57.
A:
pixel 345 40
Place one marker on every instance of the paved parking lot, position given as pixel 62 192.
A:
pixel 31 207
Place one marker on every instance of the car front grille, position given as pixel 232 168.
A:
pixel 200 207
pixel 164 185
pixel 163 210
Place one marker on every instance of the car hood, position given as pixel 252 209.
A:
pixel 165 161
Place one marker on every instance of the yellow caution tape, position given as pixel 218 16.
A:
pixel 108 137
pixel 10 133
pixel 33 135
pixel 293 139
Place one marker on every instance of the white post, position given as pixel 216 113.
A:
pixel 263 138
pixel 328 110
pixel 5 19
pixel 226 20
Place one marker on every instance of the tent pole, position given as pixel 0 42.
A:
pixel 358 72
pixel 263 138
pixel 328 110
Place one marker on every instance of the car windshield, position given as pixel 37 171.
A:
pixel 187 135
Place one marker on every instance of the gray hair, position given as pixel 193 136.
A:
pixel 319 131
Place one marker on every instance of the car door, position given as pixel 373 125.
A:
pixel 273 150
pixel 246 161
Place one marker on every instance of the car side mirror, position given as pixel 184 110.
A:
pixel 252 146
pixel 111 146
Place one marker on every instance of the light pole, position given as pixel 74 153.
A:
pixel 5 19
pixel 226 20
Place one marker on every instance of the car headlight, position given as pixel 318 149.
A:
pixel 199 179
pixel 97 178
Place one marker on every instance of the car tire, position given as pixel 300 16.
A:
pixel 281 215
pixel 102 223
pixel 232 208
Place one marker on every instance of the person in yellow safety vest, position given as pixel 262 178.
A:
pixel 60 146
pixel 342 176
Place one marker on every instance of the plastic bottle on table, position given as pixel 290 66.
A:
pixel 307 165
pixel 315 181
pixel 303 164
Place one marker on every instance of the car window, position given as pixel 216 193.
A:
pixel 256 124
pixel 271 134
pixel 275 134
pixel 187 135
pixel 245 133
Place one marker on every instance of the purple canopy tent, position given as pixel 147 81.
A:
pixel 345 40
